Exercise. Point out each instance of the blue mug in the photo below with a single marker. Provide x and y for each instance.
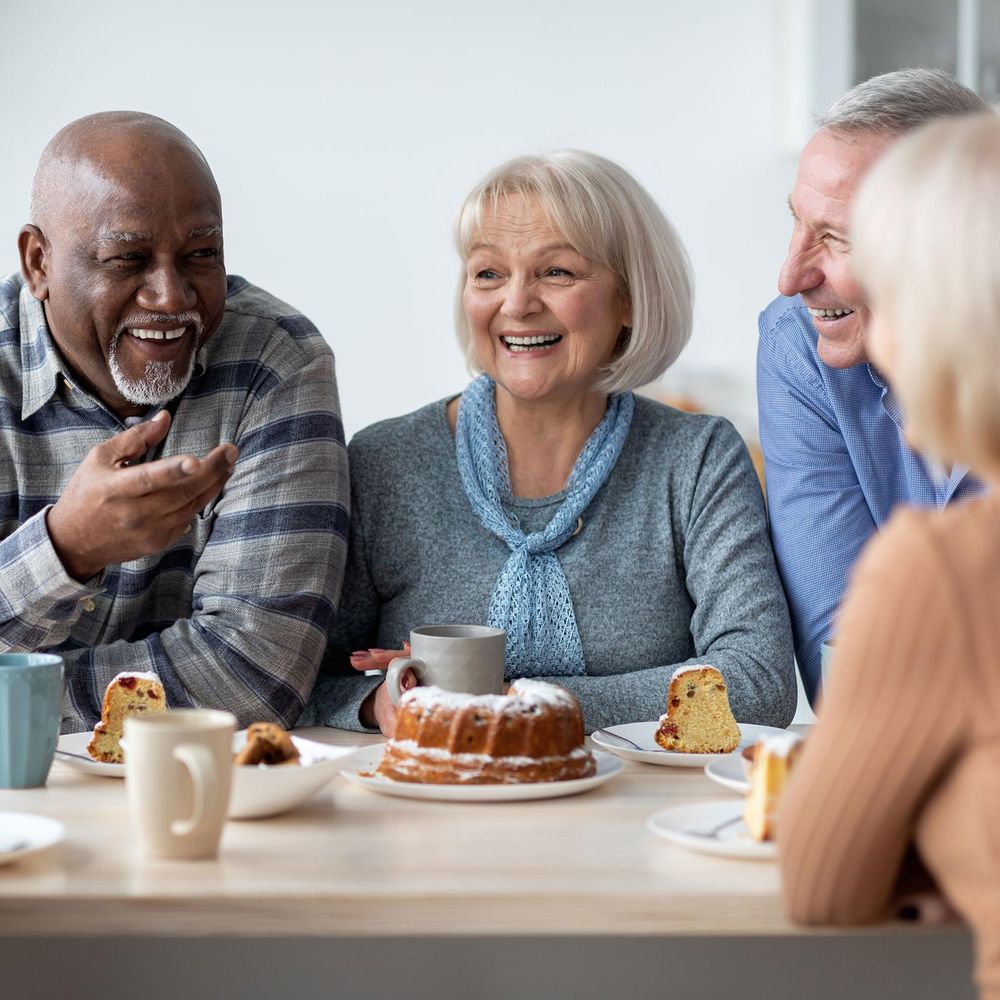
(30, 713)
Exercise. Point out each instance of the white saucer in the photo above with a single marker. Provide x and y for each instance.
(695, 826)
(367, 759)
(730, 772)
(643, 734)
(32, 833)
(76, 743)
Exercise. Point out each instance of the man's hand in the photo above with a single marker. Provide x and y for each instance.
(111, 511)
(377, 710)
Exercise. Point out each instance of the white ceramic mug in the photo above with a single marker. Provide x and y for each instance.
(178, 774)
(466, 658)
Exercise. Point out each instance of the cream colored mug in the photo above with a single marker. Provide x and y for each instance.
(466, 658)
(178, 775)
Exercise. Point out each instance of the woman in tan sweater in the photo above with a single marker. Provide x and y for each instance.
(907, 749)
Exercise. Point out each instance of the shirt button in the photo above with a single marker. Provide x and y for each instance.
(88, 604)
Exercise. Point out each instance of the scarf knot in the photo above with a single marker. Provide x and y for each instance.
(531, 601)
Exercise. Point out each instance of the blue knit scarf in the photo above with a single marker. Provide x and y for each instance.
(531, 601)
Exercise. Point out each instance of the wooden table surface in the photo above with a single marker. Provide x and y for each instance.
(351, 862)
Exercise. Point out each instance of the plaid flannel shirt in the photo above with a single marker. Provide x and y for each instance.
(235, 613)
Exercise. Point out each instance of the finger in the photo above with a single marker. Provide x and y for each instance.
(134, 442)
(381, 658)
(408, 680)
(361, 661)
(183, 475)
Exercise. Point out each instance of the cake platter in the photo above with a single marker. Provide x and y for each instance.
(72, 751)
(643, 735)
(23, 834)
(359, 769)
(714, 827)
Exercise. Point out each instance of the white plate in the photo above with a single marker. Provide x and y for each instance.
(368, 759)
(643, 733)
(695, 826)
(730, 772)
(33, 833)
(257, 791)
(77, 743)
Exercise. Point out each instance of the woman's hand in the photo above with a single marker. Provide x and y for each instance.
(377, 710)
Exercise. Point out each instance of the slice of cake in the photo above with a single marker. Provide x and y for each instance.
(269, 745)
(698, 717)
(773, 759)
(127, 694)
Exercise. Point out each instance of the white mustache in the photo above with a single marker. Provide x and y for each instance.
(172, 320)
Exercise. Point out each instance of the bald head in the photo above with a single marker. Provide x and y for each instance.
(106, 148)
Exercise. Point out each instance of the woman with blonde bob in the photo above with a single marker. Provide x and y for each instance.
(906, 751)
(611, 537)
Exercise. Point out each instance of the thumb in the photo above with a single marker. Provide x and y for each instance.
(134, 442)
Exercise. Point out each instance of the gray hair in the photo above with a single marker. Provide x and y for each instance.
(900, 101)
(606, 215)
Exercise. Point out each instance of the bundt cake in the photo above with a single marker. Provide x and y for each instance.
(532, 733)
(774, 757)
(698, 717)
(267, 744)
(127, 694)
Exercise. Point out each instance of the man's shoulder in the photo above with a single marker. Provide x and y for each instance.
(258, 324)
(786, 324)
(10, 299)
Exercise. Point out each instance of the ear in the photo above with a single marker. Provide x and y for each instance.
(34, 250)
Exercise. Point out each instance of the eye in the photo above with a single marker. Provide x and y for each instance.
(125, 261)
(560, 275)
(206, 253)
(487, 274)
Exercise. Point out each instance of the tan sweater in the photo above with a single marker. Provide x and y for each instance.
(907, 748)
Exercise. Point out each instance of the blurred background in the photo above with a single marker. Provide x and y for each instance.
(344, 135)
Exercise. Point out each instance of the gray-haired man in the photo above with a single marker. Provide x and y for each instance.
(835, 456)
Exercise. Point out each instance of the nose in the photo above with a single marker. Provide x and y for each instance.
(800, 272)
(519, 299)
(166, 290)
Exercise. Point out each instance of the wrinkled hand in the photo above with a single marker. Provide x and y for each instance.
(111, 512)
(377, 710)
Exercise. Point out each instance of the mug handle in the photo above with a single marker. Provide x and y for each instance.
(207, 786)
(394, 675)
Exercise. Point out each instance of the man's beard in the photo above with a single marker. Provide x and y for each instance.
(159, 383)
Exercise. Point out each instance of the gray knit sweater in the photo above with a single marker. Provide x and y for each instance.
(673, 566)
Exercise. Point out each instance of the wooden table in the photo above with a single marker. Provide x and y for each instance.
(368, 879)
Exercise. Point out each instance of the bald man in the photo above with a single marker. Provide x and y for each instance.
(176, 492)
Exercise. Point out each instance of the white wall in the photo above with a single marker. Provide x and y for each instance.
(345, 134)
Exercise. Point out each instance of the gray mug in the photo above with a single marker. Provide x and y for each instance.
(465, 658)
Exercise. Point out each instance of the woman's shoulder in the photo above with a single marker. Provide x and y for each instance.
(681, 434)
(402, 434)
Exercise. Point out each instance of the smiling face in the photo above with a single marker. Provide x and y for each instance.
(130, 267)
(544, 319)
(818, 265)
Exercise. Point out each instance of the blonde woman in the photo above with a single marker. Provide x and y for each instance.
(907, 749)
(613, 538)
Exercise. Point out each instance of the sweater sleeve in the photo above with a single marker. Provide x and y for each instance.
(740, 622)
(847, 817)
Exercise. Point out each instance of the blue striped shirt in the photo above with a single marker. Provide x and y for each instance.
(235, 613)
(836, 464)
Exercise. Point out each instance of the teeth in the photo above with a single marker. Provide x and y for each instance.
(830, 313)
(157, 334)
(526, 343)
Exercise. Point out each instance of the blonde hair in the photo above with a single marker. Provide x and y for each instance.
(924, 246)
(609, 218)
